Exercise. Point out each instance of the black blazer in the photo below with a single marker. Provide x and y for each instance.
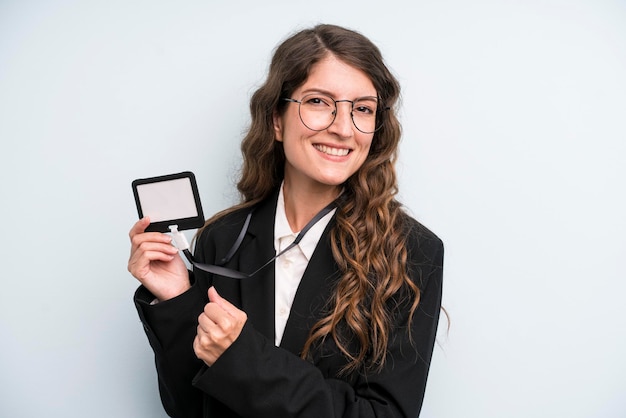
(253, 378)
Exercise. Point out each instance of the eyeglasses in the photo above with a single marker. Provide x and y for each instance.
(318, 111)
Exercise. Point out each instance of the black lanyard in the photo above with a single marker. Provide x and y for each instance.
(234, 274)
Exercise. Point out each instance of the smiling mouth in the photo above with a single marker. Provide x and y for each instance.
(337, 152)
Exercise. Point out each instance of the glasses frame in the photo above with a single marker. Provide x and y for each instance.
(379, 111)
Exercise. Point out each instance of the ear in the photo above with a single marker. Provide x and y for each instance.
(278, 126)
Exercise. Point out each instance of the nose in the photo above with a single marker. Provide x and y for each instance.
(343, 125)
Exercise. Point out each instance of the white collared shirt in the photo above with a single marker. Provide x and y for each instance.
(290, 266)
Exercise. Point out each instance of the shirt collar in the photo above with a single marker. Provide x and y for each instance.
(282, 228)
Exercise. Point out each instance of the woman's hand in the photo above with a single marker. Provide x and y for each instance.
(156, 263)
(219, 325)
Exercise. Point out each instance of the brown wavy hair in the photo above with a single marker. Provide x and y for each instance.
(368, 238)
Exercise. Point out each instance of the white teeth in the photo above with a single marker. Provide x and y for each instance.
(340, 152)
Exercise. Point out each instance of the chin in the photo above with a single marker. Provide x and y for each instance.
(333, 182)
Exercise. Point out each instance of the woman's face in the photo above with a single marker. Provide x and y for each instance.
(328, 157)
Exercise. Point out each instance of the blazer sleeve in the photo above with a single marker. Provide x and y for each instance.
(256, 379)
(171, 327)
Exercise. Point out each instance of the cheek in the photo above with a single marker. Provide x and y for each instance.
(292, 149)
(365, 144)
(365, 148)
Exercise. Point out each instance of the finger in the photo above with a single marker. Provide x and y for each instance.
(222, 303)
(152, 246)
(146, 237)
(205, 324)
(149, 252)
(216, 320)
(157, 256)
(197, 347)
(216, 333)
(202, 352)
(139, 226)
(140, 267)
(142, 257)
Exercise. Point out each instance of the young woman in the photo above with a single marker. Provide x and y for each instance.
(343, 323)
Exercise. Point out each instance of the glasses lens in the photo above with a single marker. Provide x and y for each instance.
(317, 111)
(364, 114)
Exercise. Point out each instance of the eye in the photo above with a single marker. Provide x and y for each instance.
(365, 106)
(317, 100)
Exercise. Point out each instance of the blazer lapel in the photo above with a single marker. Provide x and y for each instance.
(312, 295)
(257, 292)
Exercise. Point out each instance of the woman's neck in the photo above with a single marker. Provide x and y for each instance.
(302, 204)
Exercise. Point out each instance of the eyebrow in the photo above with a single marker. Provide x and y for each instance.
(328, 93)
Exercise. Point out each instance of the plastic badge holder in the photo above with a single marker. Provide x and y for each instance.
(170, 200)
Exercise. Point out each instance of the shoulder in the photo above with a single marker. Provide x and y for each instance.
(424, 253)
(420, 239)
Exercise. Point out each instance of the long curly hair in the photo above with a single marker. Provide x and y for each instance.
(368, 241)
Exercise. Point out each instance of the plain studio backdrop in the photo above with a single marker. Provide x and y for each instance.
(513, 151)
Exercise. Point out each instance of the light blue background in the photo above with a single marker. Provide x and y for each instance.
(514, 117)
